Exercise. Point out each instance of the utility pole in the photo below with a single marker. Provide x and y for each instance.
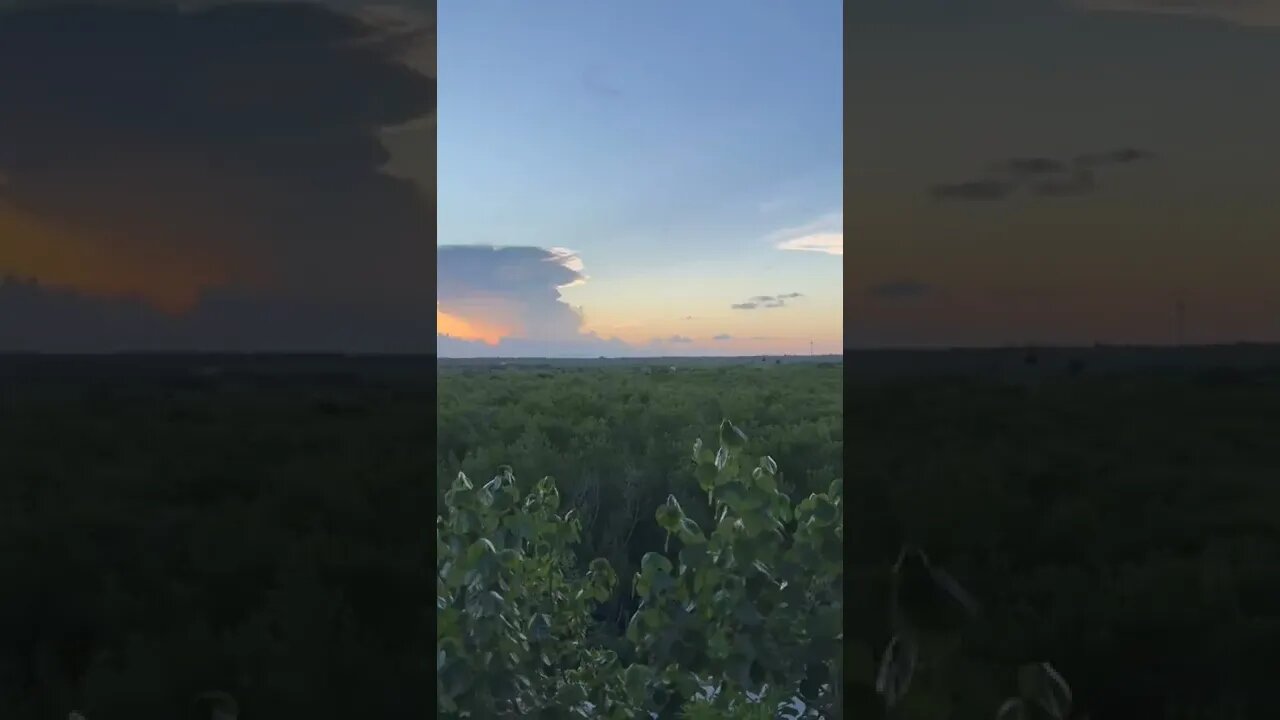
(810, 348)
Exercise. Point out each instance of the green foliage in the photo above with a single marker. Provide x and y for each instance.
(617, 440)
(258, 532)
(734, 620)
(1122, 526)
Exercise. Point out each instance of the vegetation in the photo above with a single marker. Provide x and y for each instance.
(172, 526)
(1122, 527)
(750, 609)
(725, 585)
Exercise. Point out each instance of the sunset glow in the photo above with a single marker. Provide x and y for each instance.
(461, 329)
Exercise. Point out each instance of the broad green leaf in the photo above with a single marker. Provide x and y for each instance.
(636, 680)
(731, 436)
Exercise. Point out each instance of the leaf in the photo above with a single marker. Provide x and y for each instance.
(952, 587)
(668, 517)
(731, 436)
(897, 666)
(768, 465)
(509, 558)
(653, 562)
(636, 680)
(690, 533)
(1012, 709)
(1041, 684)
(824, 511)
(706, 475)
(539, 627)
(722, 457)
(571, 695)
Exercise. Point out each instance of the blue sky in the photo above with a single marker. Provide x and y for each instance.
(671, 147)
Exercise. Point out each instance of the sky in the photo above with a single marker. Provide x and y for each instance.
(640, 178)
(217, 177)
(1062, 172)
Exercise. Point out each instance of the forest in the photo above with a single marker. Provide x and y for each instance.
(680, 550)
(617, 440)
(257, 527)
(1120, 525)
(177, 525)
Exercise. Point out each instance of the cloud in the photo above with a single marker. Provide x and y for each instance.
(900, 290)
(1123, 156)
(1030, 166)
(514, 289)
(722, 337)
(824, 235)
(1039, 176)
(766, 301)
(1078, 182)
(679, 339)
(510, 299)
(154, 147)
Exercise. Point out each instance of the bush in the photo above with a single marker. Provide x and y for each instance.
(738, 620)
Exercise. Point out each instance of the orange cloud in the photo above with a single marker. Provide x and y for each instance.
(58, 256)
(462, 329)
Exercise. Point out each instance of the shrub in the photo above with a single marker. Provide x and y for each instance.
(739, 620)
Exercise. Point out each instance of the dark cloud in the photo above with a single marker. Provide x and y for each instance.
(722, 336)
(1123, 156)
(1030, 166)
(1039, 176)
(900, 290)
(766, 301)
(240, 141)
(1078, 182)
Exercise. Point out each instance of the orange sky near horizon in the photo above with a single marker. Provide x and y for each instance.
(462, 329)
(62, 257)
